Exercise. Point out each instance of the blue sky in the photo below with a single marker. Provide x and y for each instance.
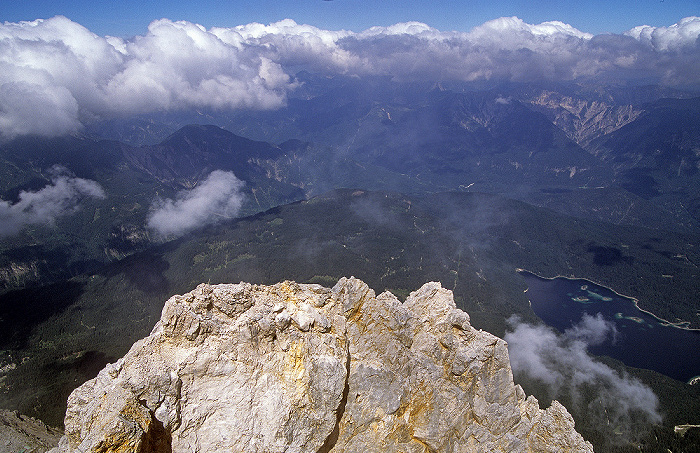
(131, 17)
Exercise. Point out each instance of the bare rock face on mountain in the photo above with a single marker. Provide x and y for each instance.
(19, 433)
(303, 368)
(584, 120)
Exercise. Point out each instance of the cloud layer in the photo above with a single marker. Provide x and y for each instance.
(56, 75)
(562, 363)
(61, 197)
(217, 198)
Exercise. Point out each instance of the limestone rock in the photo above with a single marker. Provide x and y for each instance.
(19, 433)
(302, 368)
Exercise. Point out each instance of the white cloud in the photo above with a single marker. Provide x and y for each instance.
(30, 108)
(592, 331)
(217, 198)
(61, 197)
(404, 28)
(293, 45)
(564, 365)
(517, 32)
(683, 34)
(182, 65)
(69, 75)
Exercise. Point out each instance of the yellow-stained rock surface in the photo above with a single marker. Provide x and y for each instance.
(303, 368)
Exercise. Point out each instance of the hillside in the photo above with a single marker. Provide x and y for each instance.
(656, 156)
(571, 148)
(86, 232)
(394, 182)
(61, 335)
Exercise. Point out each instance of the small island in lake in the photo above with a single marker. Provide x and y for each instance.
(670, 349)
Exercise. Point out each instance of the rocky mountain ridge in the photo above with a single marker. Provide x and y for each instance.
(300, 367)
(584, 120)
(19, 433)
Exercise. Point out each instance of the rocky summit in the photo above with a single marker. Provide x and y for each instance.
(302, 368)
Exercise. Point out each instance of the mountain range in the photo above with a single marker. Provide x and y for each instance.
(393, 182)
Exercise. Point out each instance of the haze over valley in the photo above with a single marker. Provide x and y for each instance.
(135, 168)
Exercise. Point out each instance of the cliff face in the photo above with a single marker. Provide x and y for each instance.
(19, 433)
(303, 368)
(584, 120)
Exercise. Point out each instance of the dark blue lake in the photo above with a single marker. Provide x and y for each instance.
(643, 341)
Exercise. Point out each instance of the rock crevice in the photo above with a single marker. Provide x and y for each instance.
(333, 437)
(302, 368)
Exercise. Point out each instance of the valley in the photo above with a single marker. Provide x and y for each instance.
(394, 183)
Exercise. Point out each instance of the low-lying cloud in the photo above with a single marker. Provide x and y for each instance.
(56, 75)
(562, 363)
(62, 197)
(217, 198)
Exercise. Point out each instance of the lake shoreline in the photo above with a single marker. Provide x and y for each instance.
(635, 301)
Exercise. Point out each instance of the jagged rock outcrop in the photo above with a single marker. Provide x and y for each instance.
(583, 120)
(19, 433)
(303, 368)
